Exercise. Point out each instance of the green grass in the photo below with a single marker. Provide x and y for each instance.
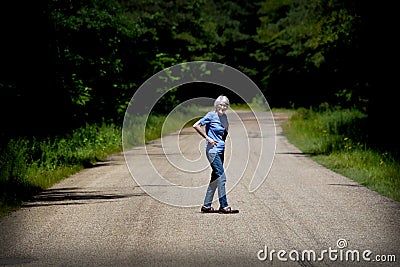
(29, 165)
(334, 138)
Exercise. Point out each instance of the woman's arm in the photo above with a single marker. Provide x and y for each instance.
(197, 127)
(225, 132)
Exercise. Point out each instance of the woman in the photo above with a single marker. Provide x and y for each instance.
(216, 124)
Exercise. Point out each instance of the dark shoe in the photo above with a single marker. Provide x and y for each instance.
(205, 209)
(227, 210)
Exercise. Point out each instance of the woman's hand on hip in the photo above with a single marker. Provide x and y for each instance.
(212, 141)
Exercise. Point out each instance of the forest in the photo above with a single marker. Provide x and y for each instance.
(69, 63)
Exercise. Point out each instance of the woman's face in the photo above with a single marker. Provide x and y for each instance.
(221, 108)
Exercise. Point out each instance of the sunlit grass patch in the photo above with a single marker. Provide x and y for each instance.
(335, 139)
(28, 165)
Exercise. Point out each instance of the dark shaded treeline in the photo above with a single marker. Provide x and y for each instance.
(67, 63)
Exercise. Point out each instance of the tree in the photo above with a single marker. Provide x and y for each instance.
(306, 49)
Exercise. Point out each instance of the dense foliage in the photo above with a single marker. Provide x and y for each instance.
(71, 62)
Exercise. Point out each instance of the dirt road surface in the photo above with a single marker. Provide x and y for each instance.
(301, 215)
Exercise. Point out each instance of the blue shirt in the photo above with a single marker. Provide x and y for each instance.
(215, 128)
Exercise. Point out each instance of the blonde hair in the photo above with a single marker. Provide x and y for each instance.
(220, 99)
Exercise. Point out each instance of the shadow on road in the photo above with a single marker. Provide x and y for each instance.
(76, 196)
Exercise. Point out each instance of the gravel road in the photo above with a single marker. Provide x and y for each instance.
(102, 217)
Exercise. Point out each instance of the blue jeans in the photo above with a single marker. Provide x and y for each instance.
(218, 180)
